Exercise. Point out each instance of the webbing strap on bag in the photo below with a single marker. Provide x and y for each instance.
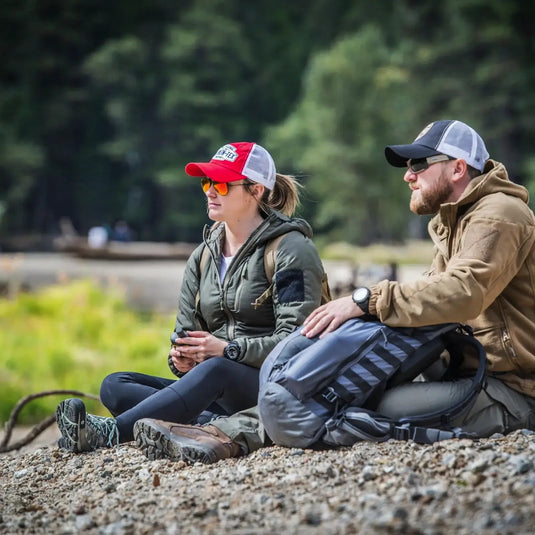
(357, 424)
(443, 417)
(353, 423)
(369, 372)
(428, 435)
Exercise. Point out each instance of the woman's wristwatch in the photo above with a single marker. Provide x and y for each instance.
(232, 351)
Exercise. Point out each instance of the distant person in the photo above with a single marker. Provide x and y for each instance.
(232, 315)
(483, 274)
(97, 237)
(121, 231)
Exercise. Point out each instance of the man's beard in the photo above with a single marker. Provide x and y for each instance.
(435, 195)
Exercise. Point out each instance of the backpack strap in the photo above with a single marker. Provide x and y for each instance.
(428, 435)
(443, 417)
(270, 254)
(424, 357)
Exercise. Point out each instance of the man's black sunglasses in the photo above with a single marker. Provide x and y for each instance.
(417, 165)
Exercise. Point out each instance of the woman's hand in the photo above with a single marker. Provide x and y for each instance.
(330, 316)
(201, 345)
(182, 364)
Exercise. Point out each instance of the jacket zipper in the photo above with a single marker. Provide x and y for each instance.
(224, 290)
(507, 343)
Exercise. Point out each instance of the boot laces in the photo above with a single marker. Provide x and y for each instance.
(104, 431)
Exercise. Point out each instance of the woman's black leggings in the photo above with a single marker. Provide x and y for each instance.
(217, 384)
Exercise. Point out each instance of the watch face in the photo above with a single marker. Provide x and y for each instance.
(232, 351)
(360, 294)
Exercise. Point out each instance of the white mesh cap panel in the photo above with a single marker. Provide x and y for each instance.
(260, 167)
(461, 141)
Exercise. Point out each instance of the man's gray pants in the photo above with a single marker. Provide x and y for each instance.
(496, 409)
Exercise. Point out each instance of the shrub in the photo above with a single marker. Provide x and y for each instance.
(70, 336)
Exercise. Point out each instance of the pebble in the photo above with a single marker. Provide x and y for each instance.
(465, 487)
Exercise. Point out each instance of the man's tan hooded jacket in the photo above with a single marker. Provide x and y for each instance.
(483, 274)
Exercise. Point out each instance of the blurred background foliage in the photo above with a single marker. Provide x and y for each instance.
(103, 103)
(72, 335)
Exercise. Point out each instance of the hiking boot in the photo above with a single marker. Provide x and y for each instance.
(189, 443)
(84, 432)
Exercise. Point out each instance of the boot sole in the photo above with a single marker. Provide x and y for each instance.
(155, 442)
(74, 409)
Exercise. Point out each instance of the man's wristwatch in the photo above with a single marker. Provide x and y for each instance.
(361, 297)
(232, 351)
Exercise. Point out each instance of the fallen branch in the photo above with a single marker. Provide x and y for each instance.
(38, 428)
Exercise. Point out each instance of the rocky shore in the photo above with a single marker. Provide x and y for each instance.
(459, 486)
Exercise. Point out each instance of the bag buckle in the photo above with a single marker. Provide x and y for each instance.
(401, 432)
(330, 395)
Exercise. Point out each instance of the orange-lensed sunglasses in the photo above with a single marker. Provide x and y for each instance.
(220, 187)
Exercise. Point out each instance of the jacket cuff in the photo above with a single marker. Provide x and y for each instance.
(243, 348)
(375, 292)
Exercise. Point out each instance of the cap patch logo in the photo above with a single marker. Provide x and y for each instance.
(228, 153)
(424, 131)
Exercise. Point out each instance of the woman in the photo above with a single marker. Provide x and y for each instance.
(230, 314)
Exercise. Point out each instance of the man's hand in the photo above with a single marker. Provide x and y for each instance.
(330, 316)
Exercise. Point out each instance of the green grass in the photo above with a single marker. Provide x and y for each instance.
(70, 336)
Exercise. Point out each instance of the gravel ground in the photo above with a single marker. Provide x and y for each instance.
(459, 486)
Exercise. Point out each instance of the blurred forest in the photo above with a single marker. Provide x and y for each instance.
(103, 103)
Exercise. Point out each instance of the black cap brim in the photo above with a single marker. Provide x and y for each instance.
(397, 155)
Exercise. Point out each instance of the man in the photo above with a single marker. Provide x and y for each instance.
(483, 274)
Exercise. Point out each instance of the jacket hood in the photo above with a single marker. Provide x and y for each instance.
(273, 225)
(495, 178)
